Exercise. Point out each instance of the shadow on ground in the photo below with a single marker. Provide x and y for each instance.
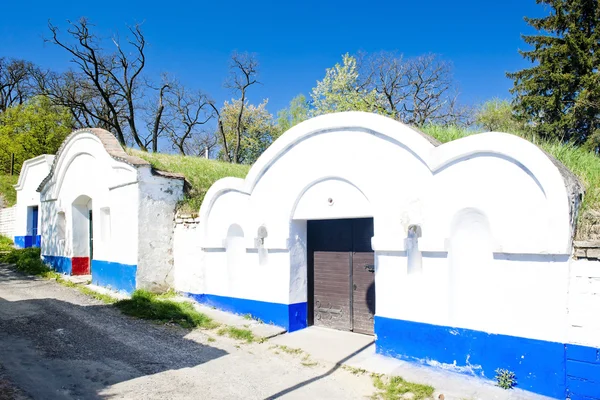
(56, 349)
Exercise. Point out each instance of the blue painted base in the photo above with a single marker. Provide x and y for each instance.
(539, 366)
(292, 317)
(59, 263)
(583, 372)
(24, 242)
(116, 276)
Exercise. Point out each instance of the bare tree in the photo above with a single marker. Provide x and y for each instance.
(16, 82)
(243, 74)
(416, 91)
(74, 91)
(202, 143)
(188, 113)
(429, 80)
(386, 72)
(155, 113)
(110, 79)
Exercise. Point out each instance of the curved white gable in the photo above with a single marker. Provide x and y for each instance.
(92, 176)
(33, 171)
(407, 181)
(41, 165)
(99, 170)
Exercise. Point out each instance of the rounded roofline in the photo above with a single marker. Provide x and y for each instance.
(112, 147)
(543, 169)
(44, 158)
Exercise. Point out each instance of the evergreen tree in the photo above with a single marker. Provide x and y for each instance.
(559, 97)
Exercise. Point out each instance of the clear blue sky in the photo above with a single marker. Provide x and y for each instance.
(295, 41)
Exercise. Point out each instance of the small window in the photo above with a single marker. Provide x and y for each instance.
(105, 224)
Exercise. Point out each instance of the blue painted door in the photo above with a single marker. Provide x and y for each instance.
(34, 223)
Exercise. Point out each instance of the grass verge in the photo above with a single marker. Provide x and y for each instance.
(26, 261)
(143, 304)
(237, 333)
(150, 306)
(199, 172)
(395, 387)
(105, 298)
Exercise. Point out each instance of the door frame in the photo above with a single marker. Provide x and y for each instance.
(310, 273)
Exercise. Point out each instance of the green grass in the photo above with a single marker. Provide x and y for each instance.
(85, 290)
(445, 133)
(353, 370)
(106, 299)
(397, 388)
(26, 261)
(288, 350)
(199, 172)
(6, 243)
(237, 333)
(146, 305)
(584, 164)
(7, 191)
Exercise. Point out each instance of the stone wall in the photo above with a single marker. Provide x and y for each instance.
(587, 250)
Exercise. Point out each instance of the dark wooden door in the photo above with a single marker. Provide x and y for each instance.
(363, 277)
(331, 244)
(341, 285)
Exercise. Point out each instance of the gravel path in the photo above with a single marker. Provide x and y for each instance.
(56, 343)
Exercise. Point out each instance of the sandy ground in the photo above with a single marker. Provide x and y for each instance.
(56, 343)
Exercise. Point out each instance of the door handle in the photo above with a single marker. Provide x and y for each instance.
(370, 267)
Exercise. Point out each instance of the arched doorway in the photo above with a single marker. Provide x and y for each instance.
(82, 236)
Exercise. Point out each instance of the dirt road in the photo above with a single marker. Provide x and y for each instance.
(56, 343)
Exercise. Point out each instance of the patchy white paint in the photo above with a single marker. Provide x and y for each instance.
(186, 255)
(33, 171)
(133, 209)
(491, 210)
(584, 303)
(158, 197)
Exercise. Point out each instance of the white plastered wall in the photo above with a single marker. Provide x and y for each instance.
(33, 171)
(86, 169)
(494, 190)
(584, 303)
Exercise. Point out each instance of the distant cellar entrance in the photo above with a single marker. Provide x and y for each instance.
(82, 236)
(341, 274)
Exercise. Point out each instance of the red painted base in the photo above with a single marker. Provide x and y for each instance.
(80, 266)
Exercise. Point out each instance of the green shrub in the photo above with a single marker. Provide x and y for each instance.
(146, 305)
(6, 243)
(27, 261)
(505, 378)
